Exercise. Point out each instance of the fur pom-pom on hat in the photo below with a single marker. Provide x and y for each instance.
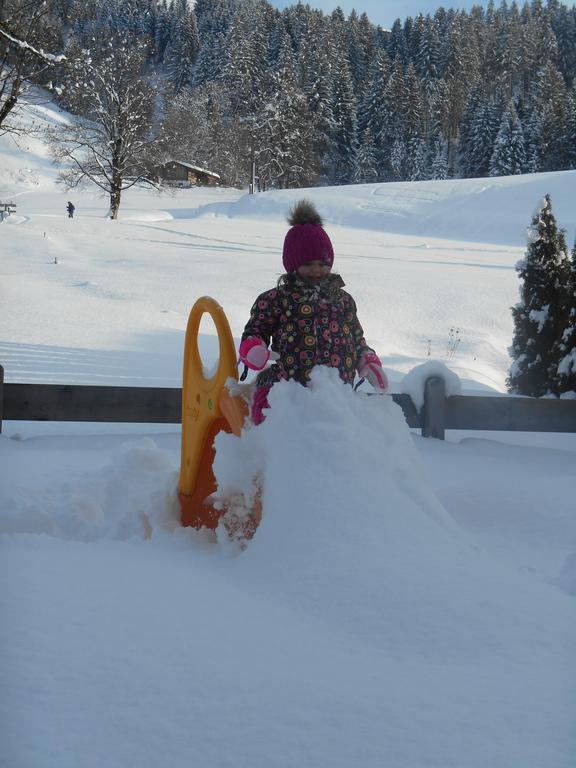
(306, 239)
(304, 212)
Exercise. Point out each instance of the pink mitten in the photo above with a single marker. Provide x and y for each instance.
(370, 367)
(254, 353)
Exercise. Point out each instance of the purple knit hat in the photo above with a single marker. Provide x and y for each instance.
(306, 240)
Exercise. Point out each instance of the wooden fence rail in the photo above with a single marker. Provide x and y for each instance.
(61, 402)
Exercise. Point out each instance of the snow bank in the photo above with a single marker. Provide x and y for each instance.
(490, 210)
(351, 523)
(133, 495)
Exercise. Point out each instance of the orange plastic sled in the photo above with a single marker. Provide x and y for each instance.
(208, 408)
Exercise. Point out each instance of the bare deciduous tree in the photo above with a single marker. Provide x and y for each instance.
(112, 145)
(25, 27)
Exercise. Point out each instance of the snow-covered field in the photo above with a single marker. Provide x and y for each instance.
(405, 602)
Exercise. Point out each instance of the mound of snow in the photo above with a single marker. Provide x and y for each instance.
(414, 383)
(133, 495)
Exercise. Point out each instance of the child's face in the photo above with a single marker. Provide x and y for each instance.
(313, 270)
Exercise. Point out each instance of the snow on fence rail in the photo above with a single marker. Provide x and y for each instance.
(161, 405)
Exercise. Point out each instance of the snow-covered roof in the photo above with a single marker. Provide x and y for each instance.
(194, 168)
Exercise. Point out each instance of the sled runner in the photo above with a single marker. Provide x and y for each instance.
(207, 409)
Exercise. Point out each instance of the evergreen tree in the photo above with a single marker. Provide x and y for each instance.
(509, 155)
(366, 161)
(569, 139)
(466, 135)
(373, 114)
(398, 159)
(541, 316)
(161, 32)
(534, 140)
(548, 96)
(214, 20)
(397, 44)
(428, 54)
(182, 47)
(285, 132)
(246, 60)
(416, 169)
(485, 128)
(344, 130)
(414, 118)
(567, 346)
(564, 26)
(439, 161)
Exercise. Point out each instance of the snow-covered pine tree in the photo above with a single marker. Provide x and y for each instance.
(214, 18)
(509, 154)
(485, 127)
(569, 143)
(466, 128)
(344, 132)
(534, 140)
(428, 54)
(366, 160)
(548, 96)
(564, 26)
(182, 47)
(415, 105)
(416, 159)
(567, 345)
(541, 315)
(373, 111)
(392, 139)
(398, 159)
(284, 130)
(439, 159)
(397, 44)
(161, 31)
(357, 51)
(246, 60)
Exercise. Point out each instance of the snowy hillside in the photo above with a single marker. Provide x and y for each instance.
(404, 603)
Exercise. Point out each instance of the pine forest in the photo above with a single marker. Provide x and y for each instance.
(298, 98)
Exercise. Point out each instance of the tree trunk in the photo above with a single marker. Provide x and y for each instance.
(115, 193)
(11, 101)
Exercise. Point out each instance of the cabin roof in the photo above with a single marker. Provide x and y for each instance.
(194, 168)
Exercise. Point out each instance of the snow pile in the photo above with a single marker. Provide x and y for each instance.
(352, 531)
(414, 383)
(132, 495)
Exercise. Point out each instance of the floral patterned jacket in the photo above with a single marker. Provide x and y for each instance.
(307, 325)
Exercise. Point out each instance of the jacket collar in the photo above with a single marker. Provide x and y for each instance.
(327, 286)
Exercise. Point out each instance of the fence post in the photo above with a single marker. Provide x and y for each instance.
(1, 395)
(433, 412)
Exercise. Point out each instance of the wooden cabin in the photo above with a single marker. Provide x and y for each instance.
(185, 174)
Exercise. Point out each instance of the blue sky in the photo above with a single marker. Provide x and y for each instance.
(384, 12)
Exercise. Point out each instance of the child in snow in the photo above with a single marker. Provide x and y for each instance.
(308, 319)
(70, 208)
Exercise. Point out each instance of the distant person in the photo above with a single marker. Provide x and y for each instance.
(308, 319)
(70, 208)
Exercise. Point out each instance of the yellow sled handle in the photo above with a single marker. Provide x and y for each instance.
(207, 408)
(201, 395)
